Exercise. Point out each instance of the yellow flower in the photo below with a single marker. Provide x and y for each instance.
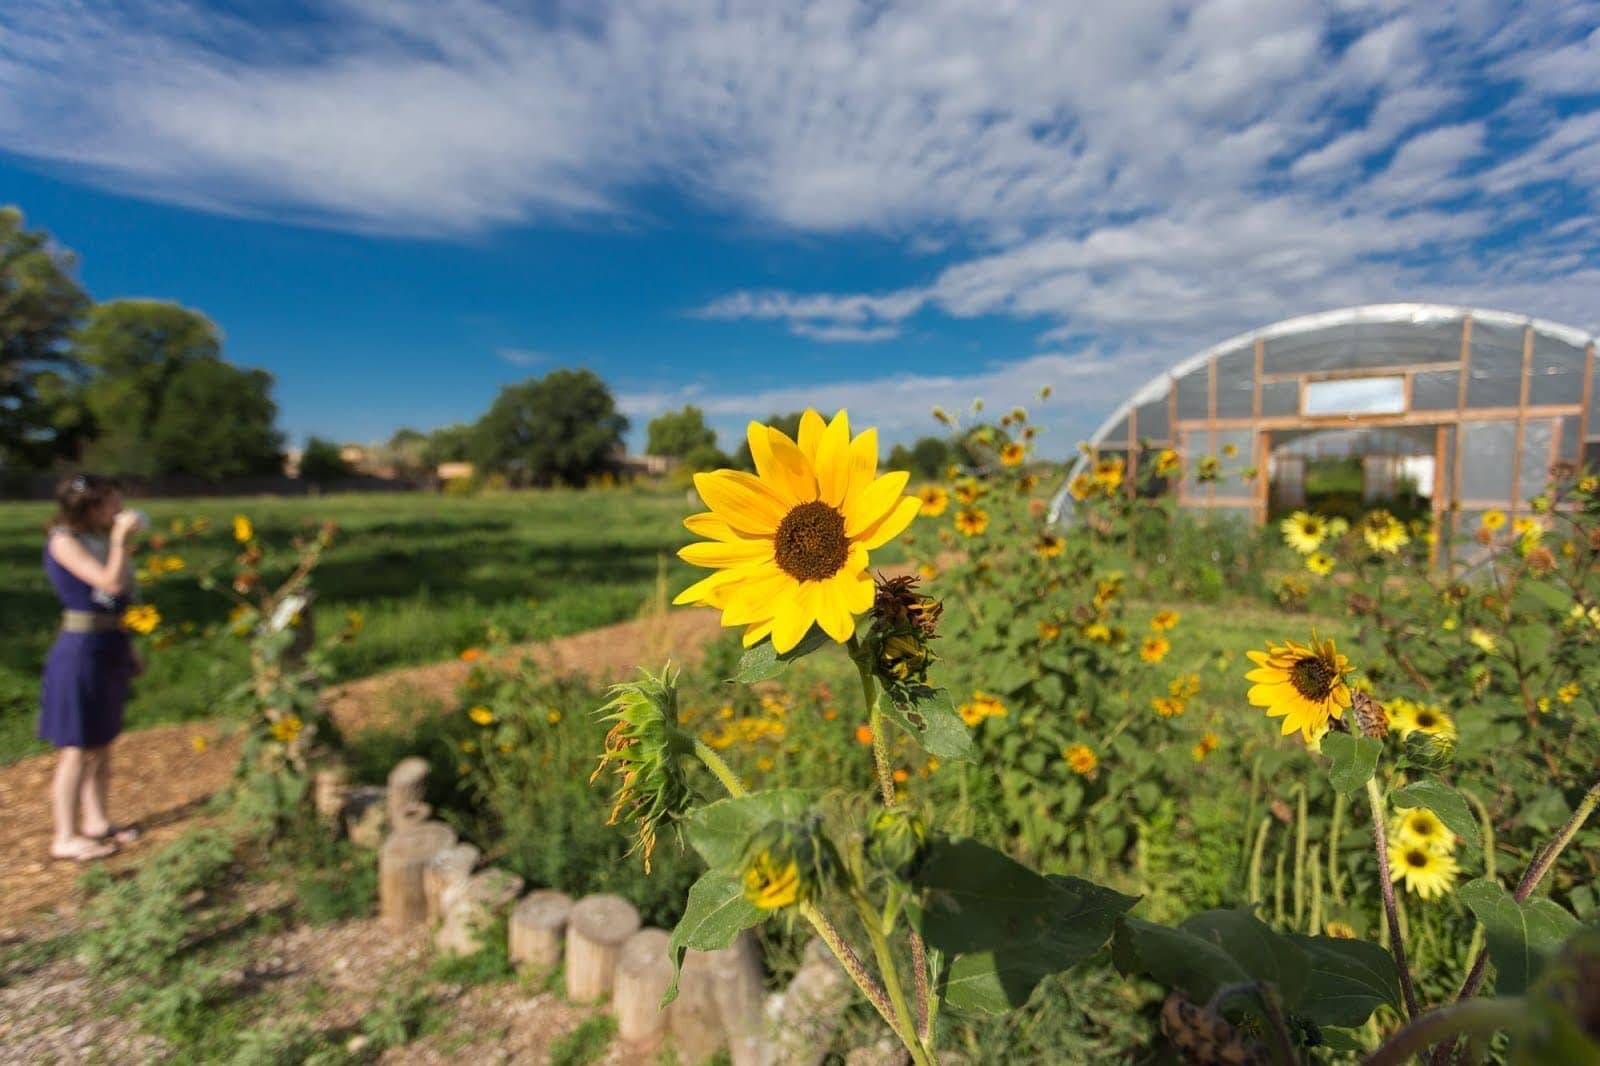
(1081, 487)
(287, 729)
(1166, 463)
(1108, 474)
(199, 744)
(1421, 827)
(1492, 520)
(934, 501)
(1383, 532)
(1568, 692)
(1320, 563)
(1341, 930)
(1049, 631)
(471, 655)
(927, 571)
(765, 765)
(967, 491)
(1426, 873)
(770, 884)
(1408, 716)
(1154, 649)
(469, 746)
(982, 706)
(1303, 532)
(1525, 525)
(1098, 632)
(789, 543)
(142, 618)
(1588, 483)
(1206, 745)
(243, 530)
(972, 521)
(553, 716)
(1169, 706)
(1049, 546)
(1304, 684)
(864, 733)
(1080, 758)
(1482, 640)
(481, 715)
(1165, 620)
(1543, 704)
(1013, 454)
(1184, 687)
(1230, 450)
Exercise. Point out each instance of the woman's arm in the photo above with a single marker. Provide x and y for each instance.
(111, 576)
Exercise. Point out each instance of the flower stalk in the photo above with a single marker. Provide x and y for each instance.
(1390, 912)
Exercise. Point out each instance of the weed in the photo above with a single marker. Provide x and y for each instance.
(586, 1043)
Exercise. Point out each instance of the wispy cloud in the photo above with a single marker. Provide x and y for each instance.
(523, 357)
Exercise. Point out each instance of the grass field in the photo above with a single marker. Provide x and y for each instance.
(430, 575)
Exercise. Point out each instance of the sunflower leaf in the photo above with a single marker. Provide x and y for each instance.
(930, 716)
(1443, 801)
(1349, 980)
(1352, 760)
(763, 662)
(716, 913)
(719, 831)
(1520, 936)
(1211, 951)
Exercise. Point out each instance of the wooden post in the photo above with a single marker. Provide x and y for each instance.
(407, 782)
(741, 1000)
(643, 972)
(885, 1051)
(366, 817)
(812, 1009)
(696, 1030)
(401, 904)
(595, 931)
(471, 909)
(330, 788)
(445, 873)
(1463, 381)
(1522, 419)
(538, 927)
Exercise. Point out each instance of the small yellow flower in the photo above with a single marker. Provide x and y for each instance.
(469, 746)
(1383, 532)
(141, 618)
(1408, 716)
(1184, 686)
(1588, 483)
(769, 884)
(1165, 620)
(967, 491)
(1098, 632)
(1206, 745)
(980, 707)
(765, 765)
(1049, 546)
(1154, 649)
(199, 744)
(1013, 454)
(1319, 563)
(1484, 641)
(1166, 463)
(927, 571)
(1168, 706)
(286, 730)
(1569, 692)
(481, 715)
(1426, 873)
(243, 530)
(1080, 759)
(1420, 826)
(1108, 474)
(864, 734)
(1081, 487)
(934, 501)
(972, 521)
(1493, 520)
(1230, 450)
(553, 716)
(1049, 631)
(1524, 526)
(1341, 930)
(1543, 704)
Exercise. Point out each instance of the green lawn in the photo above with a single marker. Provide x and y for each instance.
(429, 573)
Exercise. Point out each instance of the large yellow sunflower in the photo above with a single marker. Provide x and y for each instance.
(789, 544)
(1301, 683)
(1426, 872)
(1421, 826)
(1304, 532)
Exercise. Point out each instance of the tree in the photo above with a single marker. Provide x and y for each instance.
(679, 433)
(789, 423)
(406, 451)
(448, 444)
(927, 459)
(562, 428)
(40, 303)
(322, 460)
(164, 401)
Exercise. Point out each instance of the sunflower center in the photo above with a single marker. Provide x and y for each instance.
(1312, 678)
(1426, 720)
(810, 544)
(1417, 859)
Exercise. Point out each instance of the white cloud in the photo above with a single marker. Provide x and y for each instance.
(523, 357)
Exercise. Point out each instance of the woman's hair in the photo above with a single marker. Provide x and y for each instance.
(78, 498)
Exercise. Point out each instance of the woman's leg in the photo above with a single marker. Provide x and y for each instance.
(66, 790)
(92, 800)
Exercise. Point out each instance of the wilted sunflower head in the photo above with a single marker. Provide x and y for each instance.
(1304, 684)
(896, 604)
(644, 748)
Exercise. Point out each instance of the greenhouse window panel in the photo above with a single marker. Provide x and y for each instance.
(1354, 396)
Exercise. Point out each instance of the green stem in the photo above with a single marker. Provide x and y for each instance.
(850, 961)
(1300, 858)
(904, 1026)
(1386, 886)
(1443, 1025)
(714, 763)
(1335, 882)
(1256, 857)
(880, 744)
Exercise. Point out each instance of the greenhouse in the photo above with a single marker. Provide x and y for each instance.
(1458, 410)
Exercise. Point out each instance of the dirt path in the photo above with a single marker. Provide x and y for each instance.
(165, 774)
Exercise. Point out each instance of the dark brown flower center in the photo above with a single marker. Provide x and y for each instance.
(1426, 720)
(1312, 678)
(810, 544)
(1417, 858)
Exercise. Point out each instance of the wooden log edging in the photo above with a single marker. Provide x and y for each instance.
(428, 882)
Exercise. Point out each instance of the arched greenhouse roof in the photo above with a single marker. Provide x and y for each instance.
(1514, 392)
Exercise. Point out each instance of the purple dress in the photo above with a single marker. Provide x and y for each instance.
(86, 675)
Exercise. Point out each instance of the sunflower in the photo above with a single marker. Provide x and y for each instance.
(789, 543)
(1320, 563)
(243, 531)
(1204, 746)
(981, 707)
(481, 715)
(1412, 717)
(1383, 532)
(1108, 474)
(1049, 630)
(967, 491)
(1169, 706)
(1081, 487)
(1301, 683)
(1013, 454)
(1154, 649)
(1569, 692)
(1049, 546)
(1304, 532)
(1166, 463)
(1341, 930)
(934, 501)
(972, 521)
(142, 618)
(1420, 826)
(1080, 758)
(1426, 873)
(287, 729)
(1164, 620)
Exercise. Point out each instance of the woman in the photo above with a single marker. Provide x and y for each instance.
(88, 559)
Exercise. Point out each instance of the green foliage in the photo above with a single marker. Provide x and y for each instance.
(322, 460)
(586, 1043)
(561, 429)
(1352, 760)
(680, 434)
(1521, 936)
(489, 964)
(333, 880)
(927, 459)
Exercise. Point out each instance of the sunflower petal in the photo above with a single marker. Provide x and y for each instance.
(873, 504)
(757, 596)
(791, 465)
(833, 615)
(811, 427)
(793, 617)
(708, 590)
(722, 554)
(833, 461)
(892, 524)
(708, 525)
(755, 633)
(742, 500)
(863, 462)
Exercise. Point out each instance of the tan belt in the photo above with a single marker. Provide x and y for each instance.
(89, 622)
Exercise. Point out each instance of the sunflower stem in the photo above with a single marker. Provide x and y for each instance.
(1386, 886)
(880, 745)
(904, 1026)
(714, 763)
(850, 961)
(1444, 1026)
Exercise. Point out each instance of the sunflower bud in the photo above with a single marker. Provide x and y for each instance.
(904, 621)
(1429, 751)
(643, 748)
(1205, 1036)
(787, 863)
(897, 842)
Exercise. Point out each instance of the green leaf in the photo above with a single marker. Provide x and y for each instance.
(1353, 760)
(1444, 801)
(719, 831)
(763, 662)
(1211, 950)
(1521, 936)
(716, 913)
(1003, 926)
(1349, 980)
(929, 715)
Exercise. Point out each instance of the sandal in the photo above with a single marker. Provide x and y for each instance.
(88, 851)
(116, 834)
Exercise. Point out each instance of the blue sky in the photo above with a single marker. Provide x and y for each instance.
(398, 206)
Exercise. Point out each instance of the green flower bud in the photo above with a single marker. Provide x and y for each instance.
(644, 748)
(787, 863)
(897, 842)
(1429, 751)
